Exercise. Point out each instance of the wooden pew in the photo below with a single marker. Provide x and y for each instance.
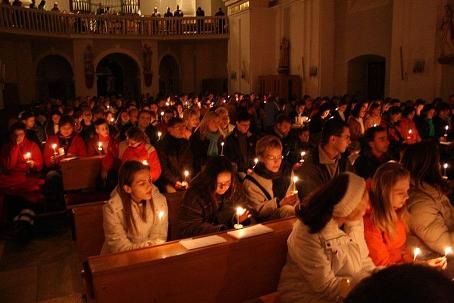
(233, 271)
(88, 224)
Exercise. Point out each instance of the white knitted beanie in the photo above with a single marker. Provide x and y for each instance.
(353, 195)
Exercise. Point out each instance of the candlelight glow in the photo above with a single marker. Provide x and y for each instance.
(303, 153)
(448, 250)
(162, 113)
(27, 156)
(256, 160)
(222, 143)
(445, 166)
(416, 253)
(186, 173)
(295, 179)
(446, 127)
(99, 145)
(410, 131)
(161, 215)
(54, 146)
(145, 162)
(240, 211)
(159, 135)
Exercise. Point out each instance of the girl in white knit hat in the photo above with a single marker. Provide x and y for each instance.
(326, 249)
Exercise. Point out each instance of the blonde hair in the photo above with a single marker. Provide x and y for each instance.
(203, 126)
(384, 215)
(267, 142)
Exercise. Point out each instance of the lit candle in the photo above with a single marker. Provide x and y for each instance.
(54, 147)
(448, 251)
(239, 212)
(145, 162)
(167, 103)
(445, 167)
(295, 179)
(159, 135)
(222, 148)
(162, 115)
(375, 125)
(416, 253)
(161, 215)
(186, 175)
(100, 146)
(27, 156)
(112, 120)
(446, 131)
(303, 154)
(256, 160)
(108, 106)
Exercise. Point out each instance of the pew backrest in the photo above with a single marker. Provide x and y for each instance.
(80, 173)
(233, 271)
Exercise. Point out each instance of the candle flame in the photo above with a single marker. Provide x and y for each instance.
(295, 179)
(162, 113)
(448, 250)
(303, 153)
(145, 162)
(240, 211)
(416, 252)
(54, 146)
(186, 173)
(161, 214)
(446, 127)
(222, 143)
(28, 155)
(159, 134)
(256, 160)
(410, 131)
(445, 165)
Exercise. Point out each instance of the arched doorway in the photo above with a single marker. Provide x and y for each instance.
(366, 76)
(169, 76)
(54, 77)
(118, 74)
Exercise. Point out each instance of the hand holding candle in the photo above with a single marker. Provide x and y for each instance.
(159, 135)
(416, 253)
(54, 147)
(256, 160)
(295, 179)
(303, 154)
(185, 182)
(240, 211)
(100, 146)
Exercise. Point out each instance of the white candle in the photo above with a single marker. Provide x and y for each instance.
(416, 253)
(27, 156)
(446, 130)
(100, 146)
(186, 175)
(448, 251)
(54, 147)
(159, 135)
(239, 212)
(303, 154)
(222, 148)
(445, 167)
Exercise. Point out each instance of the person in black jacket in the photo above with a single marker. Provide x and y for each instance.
(176, 157)
(240, 144)
(374, 152)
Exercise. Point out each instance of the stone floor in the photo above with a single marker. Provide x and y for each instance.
(45, 269)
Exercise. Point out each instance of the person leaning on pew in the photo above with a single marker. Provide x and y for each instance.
(136, 214)
(326, 248)
(209, 204)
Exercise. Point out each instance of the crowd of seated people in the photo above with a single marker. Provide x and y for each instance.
(368, 180)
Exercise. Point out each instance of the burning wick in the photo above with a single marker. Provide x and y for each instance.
(100, 146)
(161, 215)
(445, 167)
(54, 147)
(448, 251)
(303, 154)
(112, 119)
(159, 135)
(295, 179)
(256, 160)
(239, 212)
(27, 156)
(416, 253)
(222, 148)
(446, 130)
(186, 175)
(145, 162)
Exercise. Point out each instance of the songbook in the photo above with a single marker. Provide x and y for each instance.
(250, 231)
(202, 242)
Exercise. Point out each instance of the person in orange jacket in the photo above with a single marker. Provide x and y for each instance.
(385, 226)
(137, 148)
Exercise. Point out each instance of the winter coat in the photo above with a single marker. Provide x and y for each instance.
(144, 152)
(76, 148)
(234, 154)
(316, 263)
(151, 232)
(431, 219)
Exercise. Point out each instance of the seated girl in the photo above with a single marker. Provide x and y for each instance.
(209, 204)
(137, 148)
(136, 214)
(385, 226)
(270, 188)
(431, 213)
(326, 247)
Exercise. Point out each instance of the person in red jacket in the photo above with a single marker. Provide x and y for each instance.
(65, 143)
(385, 227)
(138, 149)
(102, 143)
(21, 161)
(407, 126)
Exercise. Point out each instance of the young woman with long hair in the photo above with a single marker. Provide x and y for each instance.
(210, 203)
(136, 214)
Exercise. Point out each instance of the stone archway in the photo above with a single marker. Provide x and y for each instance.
(366, 76)
(54, 76)
(118, 74)
(169, 76)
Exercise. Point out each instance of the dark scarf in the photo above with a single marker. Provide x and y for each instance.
(281, 179)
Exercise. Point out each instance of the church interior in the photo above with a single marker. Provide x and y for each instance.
(254, 151)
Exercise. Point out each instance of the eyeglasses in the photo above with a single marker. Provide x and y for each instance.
(274, 158)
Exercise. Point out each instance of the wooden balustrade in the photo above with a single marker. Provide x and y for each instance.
(39, 22)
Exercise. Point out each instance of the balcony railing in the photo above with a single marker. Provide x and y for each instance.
(39, 22)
